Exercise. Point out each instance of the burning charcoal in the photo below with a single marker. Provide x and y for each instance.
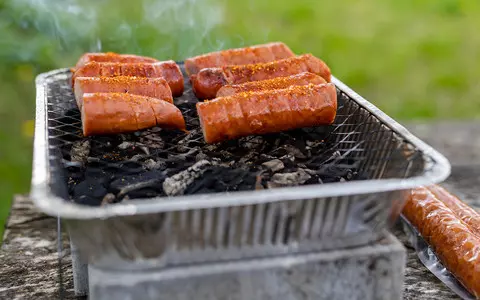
(108, 199)
(138, 157)
(288, 150)
(153, 141)
(80, 151)
(289, 179)
(274, 165)
(211, 147)
(182, 145)
(294, 151)
(127, 184)
(248, 157)
(89, 192)
(126, 145)
(220, 179)
(225, 154)
(184, 156)
(288, 157)
(201, 156)
(93, 159)
(312, 144)
(309, 172)
(151, 164)
(156, 161)
(251, 142)
(266, 157)
(177, 184)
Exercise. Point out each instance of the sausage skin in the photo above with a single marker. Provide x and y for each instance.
(468, 215)
(208, 81)
(151, 87)
(238, 56)
(169, 70)
(111, 113)
(112, 57)
(453, 242)
(270, 84)
(270, 111)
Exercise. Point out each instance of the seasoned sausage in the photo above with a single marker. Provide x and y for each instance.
(110, 113)
(208, 81)
(468, 215)
(239, 56)
(270, 84)
(267, 111)
(151, 87)
(113, 57)
(453, 242)
(169, 70)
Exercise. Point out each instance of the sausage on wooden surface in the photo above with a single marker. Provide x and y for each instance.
(208, 81)
(168, 70)
(468, 215)
(270, 84)
(111, 113)
(454, 243)
(143, 86)
(267, 111)
(112, 57)
(238, 56)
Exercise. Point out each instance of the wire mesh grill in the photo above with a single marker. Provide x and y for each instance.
(356, 147)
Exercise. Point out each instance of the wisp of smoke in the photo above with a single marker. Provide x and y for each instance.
(165, 29)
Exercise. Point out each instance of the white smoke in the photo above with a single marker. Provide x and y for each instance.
(165, 29)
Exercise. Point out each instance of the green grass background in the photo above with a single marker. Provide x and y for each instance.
(413, 59)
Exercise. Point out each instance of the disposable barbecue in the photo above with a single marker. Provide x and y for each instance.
(159, 199)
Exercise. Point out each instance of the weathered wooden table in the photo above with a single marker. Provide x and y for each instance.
(29, 266)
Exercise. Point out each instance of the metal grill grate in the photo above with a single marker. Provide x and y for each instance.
(356, 147)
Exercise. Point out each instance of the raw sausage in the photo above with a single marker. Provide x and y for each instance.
(110, 113)
(453, 242)
(270, 84)
(208, 81)
(468, 215)
(239, 56)
(151, 87)
(169, 70)
(113, 57)
(267, 111)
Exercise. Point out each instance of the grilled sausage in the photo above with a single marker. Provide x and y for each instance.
(208, 81)
(464, 212)
(110, 113)
(151, 87)
(169, 70)
(270, 84)
(113, 57)
(267, 111)
(239, 56)
(453, 242)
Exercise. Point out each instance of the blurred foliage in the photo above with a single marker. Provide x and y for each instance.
(413, 59)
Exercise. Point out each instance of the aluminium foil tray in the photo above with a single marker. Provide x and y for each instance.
(160, 232)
